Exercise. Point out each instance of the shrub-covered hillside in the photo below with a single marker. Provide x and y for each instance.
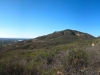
(54, 39)
(64, 53)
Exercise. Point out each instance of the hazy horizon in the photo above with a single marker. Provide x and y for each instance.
(33, 18)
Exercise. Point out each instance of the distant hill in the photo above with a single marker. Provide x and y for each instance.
(98, 37)
(59, 37)
(10, 41)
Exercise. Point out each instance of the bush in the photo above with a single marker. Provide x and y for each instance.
(49, 60)
(32, 71)
(17, 69)
(11, 69)
(77, 58)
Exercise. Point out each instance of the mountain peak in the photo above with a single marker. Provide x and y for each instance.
(65, 33)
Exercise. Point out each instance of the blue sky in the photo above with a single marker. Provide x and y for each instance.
(33, 18)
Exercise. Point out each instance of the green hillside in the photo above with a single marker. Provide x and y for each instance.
(68, 51)
(57, 38)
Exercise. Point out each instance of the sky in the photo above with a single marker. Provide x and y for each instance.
(33, 18)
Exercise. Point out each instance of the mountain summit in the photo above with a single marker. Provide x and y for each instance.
(66, 33)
